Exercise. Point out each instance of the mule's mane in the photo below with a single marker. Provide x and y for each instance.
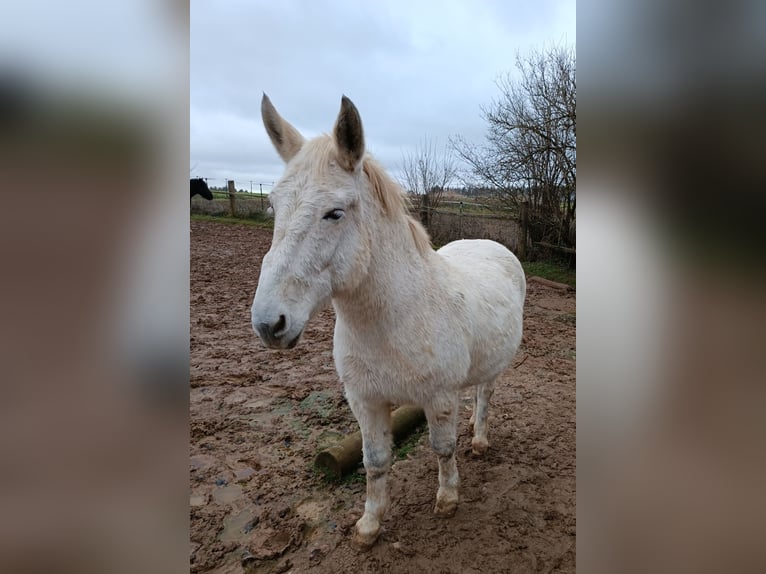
(384, 189)
(392, 199)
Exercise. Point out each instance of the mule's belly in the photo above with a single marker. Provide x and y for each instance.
(490, 356)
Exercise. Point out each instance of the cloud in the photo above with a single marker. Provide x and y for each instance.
(414, 70)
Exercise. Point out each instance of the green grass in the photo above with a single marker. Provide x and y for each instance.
(408, 444)
(263, 222)
(550, 271)
(353, 478)
(330, 478)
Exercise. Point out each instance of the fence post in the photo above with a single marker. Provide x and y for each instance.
(232, 205)
(523, 224)
(425, 211)
(260, 187)
(461, 220)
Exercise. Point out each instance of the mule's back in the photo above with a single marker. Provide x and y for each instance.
(493, 284)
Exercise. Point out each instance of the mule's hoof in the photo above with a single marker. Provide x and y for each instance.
(364, 541)
(479, 446)
(365, 534)
(446, 504)
(445, 509)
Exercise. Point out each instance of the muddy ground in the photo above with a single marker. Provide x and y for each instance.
(258, 418)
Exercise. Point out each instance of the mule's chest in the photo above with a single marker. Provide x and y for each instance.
(398, 369)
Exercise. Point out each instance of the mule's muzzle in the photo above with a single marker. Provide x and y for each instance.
(277, 335)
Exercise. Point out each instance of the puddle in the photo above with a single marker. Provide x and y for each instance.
(202, 462)
(235, 398)
(227, 494)
(235, 526)
(258, 404)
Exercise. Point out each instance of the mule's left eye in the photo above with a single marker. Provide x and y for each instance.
(334, 214)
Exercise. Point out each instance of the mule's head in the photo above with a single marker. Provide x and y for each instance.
(319, 246)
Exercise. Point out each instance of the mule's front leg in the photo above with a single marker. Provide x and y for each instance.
(375, 424)
(442, 428)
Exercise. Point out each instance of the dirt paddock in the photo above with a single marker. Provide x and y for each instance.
(258, 418)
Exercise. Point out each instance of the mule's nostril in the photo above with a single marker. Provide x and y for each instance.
(272, 332)
(263, 330)
(276, 330)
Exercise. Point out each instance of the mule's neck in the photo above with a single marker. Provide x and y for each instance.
(399, 278)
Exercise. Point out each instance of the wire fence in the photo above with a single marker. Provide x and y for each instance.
(250, 186)
(463, 220)
(445, 226)
(245, 205)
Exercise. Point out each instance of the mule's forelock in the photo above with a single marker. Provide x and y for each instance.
(286, 139)
(348, 135)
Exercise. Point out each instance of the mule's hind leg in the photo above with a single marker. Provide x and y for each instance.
(375, 424)
(442, 427)
(479, 444)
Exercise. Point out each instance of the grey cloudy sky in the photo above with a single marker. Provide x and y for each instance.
(414, 69)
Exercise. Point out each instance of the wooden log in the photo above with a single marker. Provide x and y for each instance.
(557, 247)
(347, 454)
(549, 283)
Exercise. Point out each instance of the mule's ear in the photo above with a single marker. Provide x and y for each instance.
(286, 139)
(349, 137)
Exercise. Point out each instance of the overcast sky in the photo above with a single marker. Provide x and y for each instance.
(413, 68)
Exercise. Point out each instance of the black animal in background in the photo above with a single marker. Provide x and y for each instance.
(199, 187)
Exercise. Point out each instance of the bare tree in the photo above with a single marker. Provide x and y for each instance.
(427, 172)
(530, 152)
